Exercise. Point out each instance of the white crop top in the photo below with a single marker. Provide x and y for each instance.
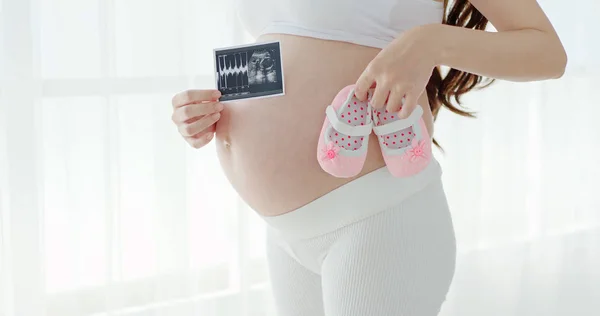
(365, 22)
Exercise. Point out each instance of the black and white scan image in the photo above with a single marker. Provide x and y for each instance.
(249, 71)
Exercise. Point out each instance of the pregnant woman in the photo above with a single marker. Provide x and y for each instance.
(373, 243)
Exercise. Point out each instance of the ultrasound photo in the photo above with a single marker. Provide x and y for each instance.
(249, 71)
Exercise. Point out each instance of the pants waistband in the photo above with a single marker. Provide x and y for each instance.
(353, 201)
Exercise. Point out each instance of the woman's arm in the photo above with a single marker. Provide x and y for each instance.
(525, 48)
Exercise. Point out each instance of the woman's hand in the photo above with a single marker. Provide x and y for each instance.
(195, 113)
(525, 47)
(399, 73)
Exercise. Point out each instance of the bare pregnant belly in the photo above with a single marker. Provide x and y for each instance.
(267, 147)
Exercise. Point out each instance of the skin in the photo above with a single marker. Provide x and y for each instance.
(267, 147)
(525, 48)
(196, 112)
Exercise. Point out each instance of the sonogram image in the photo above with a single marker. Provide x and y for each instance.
(249, 71)
(262, 67)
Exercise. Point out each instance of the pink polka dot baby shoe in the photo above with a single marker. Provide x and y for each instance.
(344, 138)
(405, 143)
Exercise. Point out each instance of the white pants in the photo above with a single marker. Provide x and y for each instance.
(377, 246)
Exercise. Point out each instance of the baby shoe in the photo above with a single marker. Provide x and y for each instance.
(344, 137)
(405, 143)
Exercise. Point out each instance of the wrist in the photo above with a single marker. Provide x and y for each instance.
(434, 41)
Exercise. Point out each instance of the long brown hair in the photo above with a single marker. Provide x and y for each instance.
(440, 90)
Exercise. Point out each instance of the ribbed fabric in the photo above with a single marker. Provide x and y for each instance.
(399, 260)
(352, 202)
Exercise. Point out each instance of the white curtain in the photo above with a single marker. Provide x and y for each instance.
(105, 211)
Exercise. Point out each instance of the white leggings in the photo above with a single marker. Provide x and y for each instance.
(377, 246)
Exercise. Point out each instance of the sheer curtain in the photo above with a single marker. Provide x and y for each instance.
(105, 211)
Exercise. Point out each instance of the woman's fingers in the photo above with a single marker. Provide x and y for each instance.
(191, 129)
(380, 96)
(199, 142)
(410, 103)
(395, 100)
(210, 129)
(201, 139)
(189, 112)
(195, 96)
(365, 82)
(195, 113)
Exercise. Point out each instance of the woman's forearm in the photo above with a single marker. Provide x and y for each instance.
(519, 55)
